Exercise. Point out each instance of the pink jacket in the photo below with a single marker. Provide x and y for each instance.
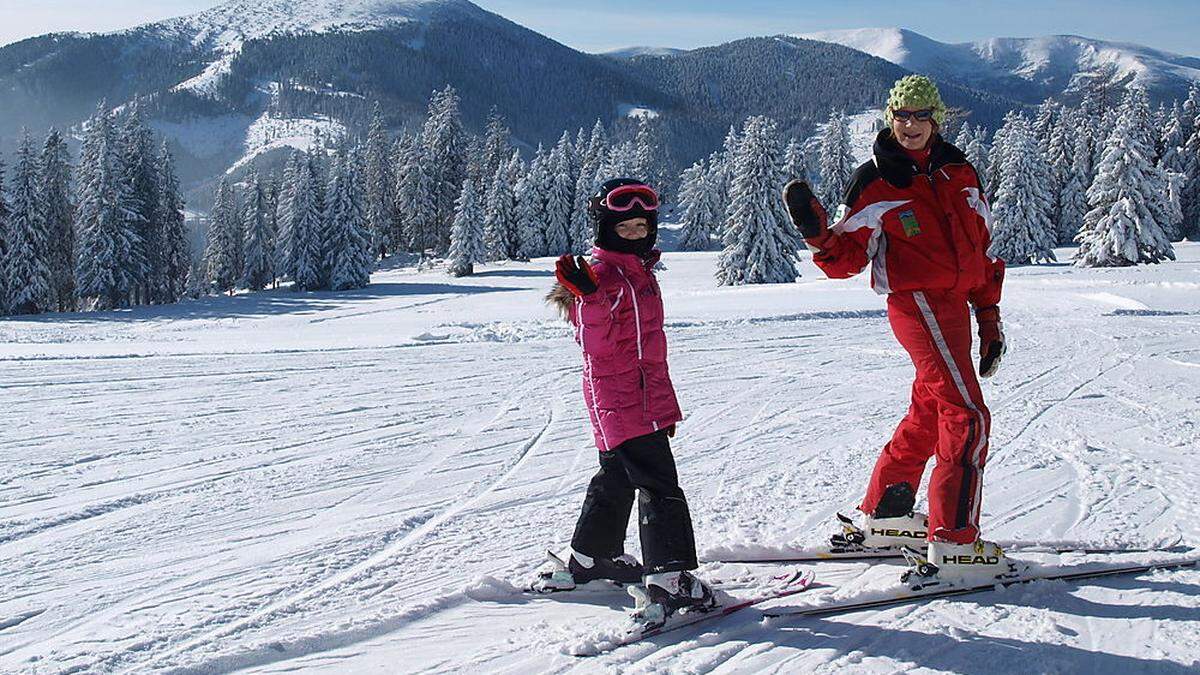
(620, 326)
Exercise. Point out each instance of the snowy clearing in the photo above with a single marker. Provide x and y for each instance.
(355, 481)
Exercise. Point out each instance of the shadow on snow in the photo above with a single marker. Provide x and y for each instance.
(264, 303)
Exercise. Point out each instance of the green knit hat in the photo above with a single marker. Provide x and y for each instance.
(916, 91)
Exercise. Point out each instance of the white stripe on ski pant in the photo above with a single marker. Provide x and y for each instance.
(948, 357)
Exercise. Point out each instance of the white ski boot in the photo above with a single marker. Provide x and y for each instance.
(949, 563)
(569, 569)
(666, 594)
(894, 524)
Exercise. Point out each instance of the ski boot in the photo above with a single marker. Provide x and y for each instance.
(570, 569)
(949, 563)
(893, 525)
(669, 593)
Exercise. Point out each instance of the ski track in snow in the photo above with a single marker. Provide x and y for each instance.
(362, 481)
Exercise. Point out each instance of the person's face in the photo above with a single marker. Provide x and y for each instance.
(634, 228)
(912, 133)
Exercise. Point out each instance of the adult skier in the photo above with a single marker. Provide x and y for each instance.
(917, 215)
(617, 310)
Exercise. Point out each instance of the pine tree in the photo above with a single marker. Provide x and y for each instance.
(559, 201)
(416, 201)
(977, 152)
(398, 237)
(379, 190)
(4, 242)
(4, 237)
(836, 159)
(649, 156)
(58, 213)
(259, 269)
(795, 163)
(530, 237)
(531, 209)
(699, 215)
(1190, 198)
(444, 148)
(1023, 232)
(760, 242)
(1059, 151)
(583, 235)
(1173, 142)
(497, 146)
(224, 241)
(498, 218)
(107, 219)
(176, 259)
(285, 214)
(996, 158)
(26, 259)
(1048, 114)
(348, 243)
(621, 162)
(304, 227)
(1073, 204)
(139, 153)
(467, 238)
(1123, 228)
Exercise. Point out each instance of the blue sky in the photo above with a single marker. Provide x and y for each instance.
(1173, 25)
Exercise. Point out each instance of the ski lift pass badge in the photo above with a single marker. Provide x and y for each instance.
(909, 220)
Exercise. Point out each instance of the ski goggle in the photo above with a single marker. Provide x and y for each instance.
(624, 198)
(918, 115)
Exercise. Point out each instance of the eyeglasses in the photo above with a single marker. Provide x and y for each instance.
(623, 198)
(918, 115)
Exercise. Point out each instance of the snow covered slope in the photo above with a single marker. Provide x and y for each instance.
(1044, 65)
(630, 52)
(235, 21)
(353, 482)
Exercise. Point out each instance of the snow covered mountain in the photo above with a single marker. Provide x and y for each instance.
(233, 22)
(630, 52)
(245, 81)
(1026, 68)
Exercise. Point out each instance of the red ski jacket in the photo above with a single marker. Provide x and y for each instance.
(921, 231)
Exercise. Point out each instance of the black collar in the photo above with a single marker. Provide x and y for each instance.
(898, 168)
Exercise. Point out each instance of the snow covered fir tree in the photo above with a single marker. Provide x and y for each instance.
(110, 230)
(1125, 225)
(760, 241)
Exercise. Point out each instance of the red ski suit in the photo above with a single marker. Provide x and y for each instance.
(925, 234)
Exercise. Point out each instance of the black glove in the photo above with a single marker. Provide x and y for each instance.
(576, 275)
(992, 344)
(806, 211)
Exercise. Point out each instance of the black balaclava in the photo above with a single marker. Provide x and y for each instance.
(605, 222)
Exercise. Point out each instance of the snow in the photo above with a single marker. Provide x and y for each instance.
(205, 84)
(631, 52)
(359, 481)
(634, 111)
(1035, 59)
(864, 128)
(269, 133)
(223, 29)
(230, 23)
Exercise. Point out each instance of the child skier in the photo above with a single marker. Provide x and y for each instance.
(917, 214)
(616, 308)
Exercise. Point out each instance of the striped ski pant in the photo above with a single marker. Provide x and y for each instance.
(947, 418)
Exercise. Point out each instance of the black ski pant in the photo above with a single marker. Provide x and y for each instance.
(645, 465)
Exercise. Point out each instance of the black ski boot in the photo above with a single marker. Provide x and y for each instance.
(565, 575)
